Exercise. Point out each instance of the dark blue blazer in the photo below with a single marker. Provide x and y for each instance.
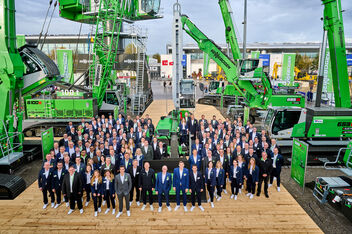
(212, 179)
(183, 130)
(200, 148)
(122, 163)
(255, 174)
(44, 182)
(221, 177)
(85, 178)
(82, 168)
(239, 174)
(159, 186)
(111, 186)
(279, 162)
(56, 183)
(181, 183)
(198, 162)
(196, 185)
(99, 189)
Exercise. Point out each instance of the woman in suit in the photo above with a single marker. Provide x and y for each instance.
(220, 179)
(236, 178)
(131, 146)
(86, 182)
(139, 157)
(252, 177)
(96, 188)
(210, 181)
(109, 191)
(183, 130)
(242, 164)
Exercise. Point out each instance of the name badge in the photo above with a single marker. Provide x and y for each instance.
(126, 179)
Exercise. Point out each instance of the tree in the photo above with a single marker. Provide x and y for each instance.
(157, 57)
(131, 49)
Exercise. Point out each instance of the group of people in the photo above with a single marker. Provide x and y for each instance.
(108, 158)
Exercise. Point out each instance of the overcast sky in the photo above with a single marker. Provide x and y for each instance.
(268, 21)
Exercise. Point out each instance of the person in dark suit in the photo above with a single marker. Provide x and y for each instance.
(252, 177)
(107, 167)
(147, 184)
(278, 162)
(210, 182)
(196, 186)
(195, 159)
(44, 183)
(147, 151)
(160, 152)
(134, 172)
(96, 188)
(236, 178)
(68, 128)
(80, 167)
(109, 191)
(220, 179)
(139, 157)
(193, 127)
(127, 162)
(123, 185)
(163, 187)
(72, 187)
(181, 184)
(265, 168)
(197, 146)
(87, 176)
(183, 130)
(254, 134)
(208, 159)
(57, 179)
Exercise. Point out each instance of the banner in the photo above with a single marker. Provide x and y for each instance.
(206, 64)
(65, 64)
(265, 59)
(255, 54)
(47, 141)
(299, 161)
(327, 84)
(288, 67)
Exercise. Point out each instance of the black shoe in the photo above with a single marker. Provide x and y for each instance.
(258, 194)
(267, 195)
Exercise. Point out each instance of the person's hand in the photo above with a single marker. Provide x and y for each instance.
(186, 190)
(201, 190)
(221, 186)
(174, 188)
(94, 194)
(98, 194)
(152, 189)
(156, 192)
(53, 190)
(41, 189)
(256, 182)
(265, 175)
(113, 195)
(190, 190)
(140, 189)
(102, 195)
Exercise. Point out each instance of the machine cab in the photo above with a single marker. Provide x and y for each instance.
(248, 66)
(187, 93)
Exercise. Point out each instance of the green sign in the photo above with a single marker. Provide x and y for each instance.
(288, 67)
(47, 141)
(65, 64)
(255, 54)
(327, 84)
(299, 161)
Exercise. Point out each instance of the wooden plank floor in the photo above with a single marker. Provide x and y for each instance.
(280, 213)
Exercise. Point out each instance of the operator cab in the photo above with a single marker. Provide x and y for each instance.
(148, 8)
(248, 66)
(187, 94)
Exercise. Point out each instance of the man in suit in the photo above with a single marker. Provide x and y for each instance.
(134, 172)
(254, 134)
(107, 167)
(160, 152)
(147, 184)
(265, 168)
(72, 188)
(181, 184)
(68, 128)
(278, 162)
(193, 127)
(123, 185)
(207, 159)
(196, 186)
(56, 183)
(195, 159)
(163, 186)
(44, 183)
(197, 146)
(147, 151)
(126, 162)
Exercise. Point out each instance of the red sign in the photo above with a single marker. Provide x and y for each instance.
(171, 63)
(165, 62)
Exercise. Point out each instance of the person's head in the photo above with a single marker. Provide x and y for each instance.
(70, 144)
(146, 143)
(195, 153)
(250, 150)
(46, 165)
(146, 166)
(218, 164)
(108, 160)
(209, 154)
(71, 170)
(96, 174)
(59, 165)
(276, 151)
(164, 169)
(273, 142)
(48, 157)
(264, 155)
(65, 136)
(88, 168)
(238, 148)
(266, 145)
(194, 168)
(84, 152)
(108, 172)
(127, 156)
(221, 151)
(210, 164)
(181, 164)
(235, 163)
(251, 162)
(78, 160)
(112, 152)
(135, 163)
(240, 158)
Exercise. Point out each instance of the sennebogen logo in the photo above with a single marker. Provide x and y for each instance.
(65, 62)
(326, 72)
(288, 71)
(217, 55)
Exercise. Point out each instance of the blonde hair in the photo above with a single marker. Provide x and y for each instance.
(93, 178)
(218, 163)
(249, 164)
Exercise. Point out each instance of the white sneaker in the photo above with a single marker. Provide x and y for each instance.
(107, 210)
(103, 203)
(185, 208)
(159, 210)
(232, 196)
(70, 211)
(81, 211)
(95, 213)
(212, 205)
(67, 204)
(130, 203)
(56, 206)
(138, 203)
(208, 200)
(192, 208)
(87, 203)
(118, 214)
(248, 194)
(151, 208)
(201, 208)
(99, 209)
(45, 206)
(52, 204)
(169, 208)
(219, 198)
(225, 191)
(251, 196)
(176, 208)
(269, 185)
(274, 178)
(128, 213)
(278, 189)
(113, 211)
(216, 196)
(240, 191)
(143, 207)
(235, 197)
